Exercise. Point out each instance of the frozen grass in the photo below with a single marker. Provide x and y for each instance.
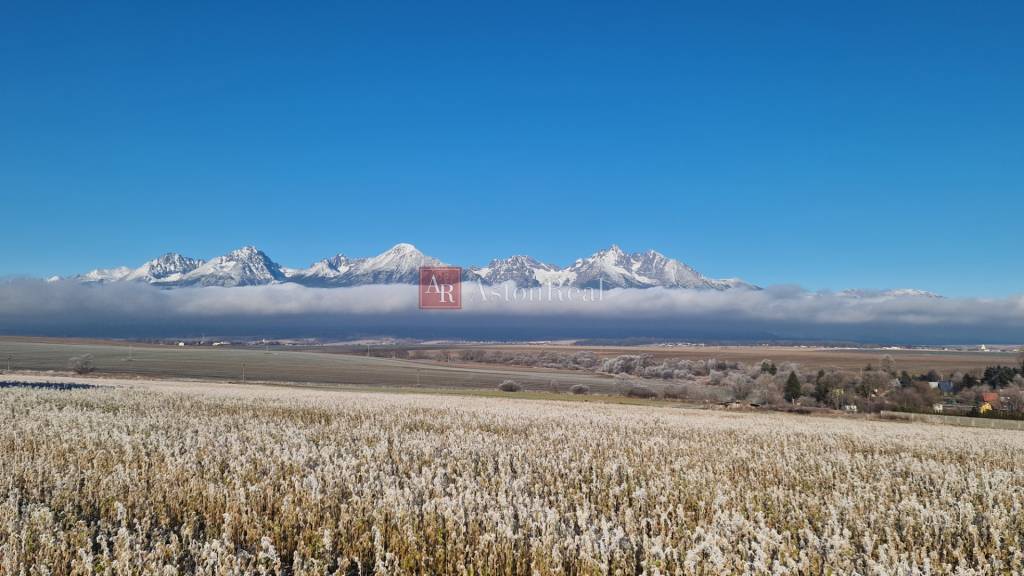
(223, 479)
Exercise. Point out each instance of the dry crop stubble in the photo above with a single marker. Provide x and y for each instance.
(222, 479)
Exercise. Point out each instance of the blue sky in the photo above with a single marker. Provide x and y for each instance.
(855, 145)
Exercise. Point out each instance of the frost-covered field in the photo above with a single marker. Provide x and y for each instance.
(229, 480)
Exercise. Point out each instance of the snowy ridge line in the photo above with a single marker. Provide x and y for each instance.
(249, 266)
(609, 268)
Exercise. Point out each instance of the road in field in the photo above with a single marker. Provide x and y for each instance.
(281, 366)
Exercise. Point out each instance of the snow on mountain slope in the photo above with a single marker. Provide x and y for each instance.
(614, 268)
(563, 277)
(523, 270)
(727, 283)
(668, 272)
(101, 275)
(610, 268)
(398, 265)
(326, 272)
(167, 269)
(247, 266)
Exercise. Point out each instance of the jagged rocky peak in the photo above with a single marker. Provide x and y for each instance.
(333, 266)
(610, 268)
(246, 266)
(615, 268)
(338, 260)
(521, 269)
(171, 266)
(245, 253)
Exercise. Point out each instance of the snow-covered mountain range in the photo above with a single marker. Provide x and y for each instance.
(246, 266)
(249, 266)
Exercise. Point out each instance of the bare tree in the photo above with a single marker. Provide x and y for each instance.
(81, 364)
(1014, 399)
(872, 381)
(889, 364)
(741, 385)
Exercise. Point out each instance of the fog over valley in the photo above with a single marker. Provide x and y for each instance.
(71, 308)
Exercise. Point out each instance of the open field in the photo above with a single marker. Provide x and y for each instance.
(915, 361)
(218, 478)
(953, 420)
(281, 366)
(346, 364)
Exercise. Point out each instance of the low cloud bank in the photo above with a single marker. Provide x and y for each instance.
(780, 312)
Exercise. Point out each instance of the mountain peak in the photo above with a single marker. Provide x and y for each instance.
(245, 266)
(337, 260)
(170, 267)
(521, 269)
(519, 259)
(614, 268)
(103, 275)
(403, 248)
(247, 251)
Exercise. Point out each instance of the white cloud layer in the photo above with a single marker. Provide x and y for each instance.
(787, 311)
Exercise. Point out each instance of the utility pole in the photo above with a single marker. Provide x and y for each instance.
(8, 362)
(367, 350)
(418, 377)
(243, 372)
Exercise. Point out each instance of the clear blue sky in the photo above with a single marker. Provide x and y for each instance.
(853, 145)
